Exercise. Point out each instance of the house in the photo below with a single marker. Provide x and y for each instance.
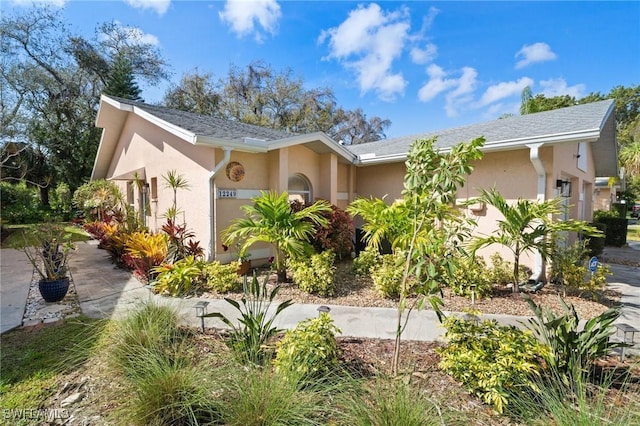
(226, 164)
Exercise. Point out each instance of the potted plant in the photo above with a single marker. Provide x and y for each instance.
(244, 264)
(49, 250)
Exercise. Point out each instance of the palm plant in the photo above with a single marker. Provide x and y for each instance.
(526, 227)
(271, 220)
(174, 181)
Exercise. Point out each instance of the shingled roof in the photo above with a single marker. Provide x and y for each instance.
(592, 122)
(206, 125)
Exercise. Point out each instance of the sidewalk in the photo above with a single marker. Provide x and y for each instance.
(108, 292)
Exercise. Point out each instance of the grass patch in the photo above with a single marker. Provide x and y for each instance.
(15, 238)
(32, 361)
(633, 233)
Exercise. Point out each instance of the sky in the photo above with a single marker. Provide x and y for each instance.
(424, 65)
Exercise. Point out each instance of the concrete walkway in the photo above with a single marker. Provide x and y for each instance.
(108, 292)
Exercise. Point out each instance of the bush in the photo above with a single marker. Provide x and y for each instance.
(368, 259)
(616, 231)
(337, 236)
(387, 277)
(221, 278)
(494, 362)
(595, 245)
(310, 350)
(315, 274)
(471, 271)
(567, 262)
(572, 348)
(20, 204)
(501, 271)
(147, 251)
(60, 201)
(179, 279)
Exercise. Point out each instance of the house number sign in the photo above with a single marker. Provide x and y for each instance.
(227, 193)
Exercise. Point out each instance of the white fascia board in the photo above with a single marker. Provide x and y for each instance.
(313, 137)
(171, 128)
(591, 135)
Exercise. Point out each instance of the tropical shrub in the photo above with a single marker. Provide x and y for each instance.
(250, 338)
(572, 348)
(178, 279)
(180, 242)
(567, 263)
(387, 277)
(221, 278)
(146, 251)
(310, 350)
(99, 199)
(471, 274)
(368, 259)
(315, 274)
(336, 236)
(494, 362)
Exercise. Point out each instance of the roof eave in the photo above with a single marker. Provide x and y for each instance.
(313, 137)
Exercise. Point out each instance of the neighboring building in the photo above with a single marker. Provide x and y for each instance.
(226, 164)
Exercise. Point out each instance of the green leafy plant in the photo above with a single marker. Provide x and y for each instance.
(501, 271)
(222, 278)
(310, 350)
(387, 277)
(50, 252)
(315, 274)
(174, 181)
(250, 338)
(526, 226)
(178, 279)
(368, 259)
(423, 224)
(572, 347)
(272, 220)
(494, 362)
(471, 275)
(337, 235)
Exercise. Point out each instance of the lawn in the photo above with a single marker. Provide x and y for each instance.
(17, 234)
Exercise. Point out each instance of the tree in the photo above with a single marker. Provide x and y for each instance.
(272, 220)
(278, 100)
(51, 81)
(423, 226)
(526, 226)
(121, 81)
(195, 93)
(174, 181)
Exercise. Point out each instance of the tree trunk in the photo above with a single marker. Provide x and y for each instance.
(516, 275)
(396, 348)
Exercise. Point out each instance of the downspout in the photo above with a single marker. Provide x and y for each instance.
(534, 155)
(212, 198)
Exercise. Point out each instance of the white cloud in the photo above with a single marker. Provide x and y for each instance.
(437, 84)
(245, 15)
(425, 55)
(537, 52)
(55, 3)
(558, 87)
(159, 6)
(368, 42)
(504, 90)
(458, 90)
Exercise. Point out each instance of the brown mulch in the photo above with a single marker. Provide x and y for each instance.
(359, 291)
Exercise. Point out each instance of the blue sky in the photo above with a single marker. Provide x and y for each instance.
(423, 65)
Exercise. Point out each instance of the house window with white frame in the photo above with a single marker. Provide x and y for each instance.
(300, 189)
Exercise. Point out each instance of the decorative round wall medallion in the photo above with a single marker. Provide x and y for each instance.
(235, 171)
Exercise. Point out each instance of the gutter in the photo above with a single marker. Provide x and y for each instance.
(534, 155)
(212, 198)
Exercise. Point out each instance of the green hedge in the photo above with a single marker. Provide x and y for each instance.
(616, 231)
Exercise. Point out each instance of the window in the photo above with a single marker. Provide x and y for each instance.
(299, 189)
